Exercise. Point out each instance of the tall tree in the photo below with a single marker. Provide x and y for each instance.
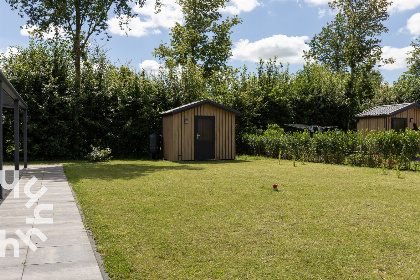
(407, 88)
(414, 58)
(79, 19)
(202, 38)
(351, 43)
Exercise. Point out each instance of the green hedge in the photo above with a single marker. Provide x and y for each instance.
(371, 149)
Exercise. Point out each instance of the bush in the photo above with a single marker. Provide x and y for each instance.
(99, 155)
(372, 149)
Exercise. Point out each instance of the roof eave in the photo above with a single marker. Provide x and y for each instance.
(197, 104)
(11, 91)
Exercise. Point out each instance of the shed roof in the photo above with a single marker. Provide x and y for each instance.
(387, 110)
(196, 104)
(10, 94)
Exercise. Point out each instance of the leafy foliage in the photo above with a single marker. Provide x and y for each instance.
(118, 107)
(351, 44)
(408, 84)
(203, 38)
(360, 149)
(98, 155)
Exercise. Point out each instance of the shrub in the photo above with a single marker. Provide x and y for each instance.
(99, 155)
(372, 149)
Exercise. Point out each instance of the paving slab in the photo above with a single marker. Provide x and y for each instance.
(62, 271)
(12, 273)
(58, 246)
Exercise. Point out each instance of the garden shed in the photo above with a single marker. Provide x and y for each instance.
(201, 130)
(386, 117)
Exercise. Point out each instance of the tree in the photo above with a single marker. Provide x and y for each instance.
(407, 87)
(414, 58)
(79, 19)
(351, 42)
(202, 38)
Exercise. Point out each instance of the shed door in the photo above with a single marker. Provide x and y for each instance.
(204, 135)
(398, 124)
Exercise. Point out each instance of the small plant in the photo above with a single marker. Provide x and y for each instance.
(294, 161)
(99, 155)
(279, 156)
(303, 159)
(383, 168)
(398, 171)
(416, 165)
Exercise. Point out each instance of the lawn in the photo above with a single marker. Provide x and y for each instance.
(222, 219)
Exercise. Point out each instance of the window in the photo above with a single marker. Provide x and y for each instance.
(398, 124)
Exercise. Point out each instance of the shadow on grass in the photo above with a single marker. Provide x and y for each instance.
(117, 171)
(210, 162)
(130, 169)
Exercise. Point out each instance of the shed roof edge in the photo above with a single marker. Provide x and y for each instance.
(192, 105)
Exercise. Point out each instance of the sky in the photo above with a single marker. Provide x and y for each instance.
(270, 28)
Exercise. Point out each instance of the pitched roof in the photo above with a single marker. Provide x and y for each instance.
(387, 110)
(196, 104)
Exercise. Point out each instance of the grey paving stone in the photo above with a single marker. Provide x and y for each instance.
(66, 239)
(11, 261)
(63, 271)
(67, 252)
(61, 254)
(12, 273)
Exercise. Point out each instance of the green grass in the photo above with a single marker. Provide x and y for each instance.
(222, 219)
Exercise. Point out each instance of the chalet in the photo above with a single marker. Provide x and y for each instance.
(386, 117)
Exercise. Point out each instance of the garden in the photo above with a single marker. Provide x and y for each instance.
(223, 220)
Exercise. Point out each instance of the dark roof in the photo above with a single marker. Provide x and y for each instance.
(10, 94)
(196, 104)
(387, 110)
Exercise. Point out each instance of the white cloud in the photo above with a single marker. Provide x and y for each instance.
(321, 13)
(238, 6)
(404, 5)
(287, 49)
(399, 54)
(317, 2)
(149, 22)
(151, 66)
(9, 52)
(26, 31)
(135, 27)
(413, 24)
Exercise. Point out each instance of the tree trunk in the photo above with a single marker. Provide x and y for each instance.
(77, 84)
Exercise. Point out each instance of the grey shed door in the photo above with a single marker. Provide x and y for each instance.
(204, 137)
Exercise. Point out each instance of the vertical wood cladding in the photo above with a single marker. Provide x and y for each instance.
(178, 136)
(384, 123)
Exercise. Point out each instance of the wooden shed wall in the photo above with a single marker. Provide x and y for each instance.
(369, 124)
(379, 124)
(178, 137)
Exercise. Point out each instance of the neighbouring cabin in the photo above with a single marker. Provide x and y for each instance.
(386, 117)
(201, 130)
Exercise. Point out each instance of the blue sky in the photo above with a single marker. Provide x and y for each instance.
(269, 28)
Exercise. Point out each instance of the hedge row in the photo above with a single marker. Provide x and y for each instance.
(371, 149)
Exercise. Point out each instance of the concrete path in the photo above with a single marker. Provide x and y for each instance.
(59, 246)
